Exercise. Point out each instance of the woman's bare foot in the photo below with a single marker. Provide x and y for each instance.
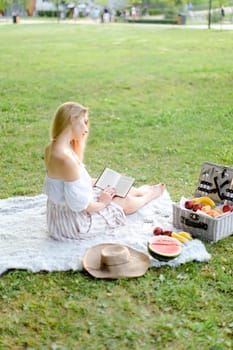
(157, 190)
(135, 201)
(153, 191)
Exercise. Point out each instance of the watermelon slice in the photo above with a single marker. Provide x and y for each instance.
(164, 247)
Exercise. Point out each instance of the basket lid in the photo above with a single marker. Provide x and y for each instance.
(216, 182)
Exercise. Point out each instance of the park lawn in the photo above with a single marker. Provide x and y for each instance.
(160, 105)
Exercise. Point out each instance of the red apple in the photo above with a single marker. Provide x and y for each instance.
(197, 207)
(167, 233)
(189, 204)
(227, 207)
(158, 231)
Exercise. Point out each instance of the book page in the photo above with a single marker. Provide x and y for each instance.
(124, 185)
(108, 177)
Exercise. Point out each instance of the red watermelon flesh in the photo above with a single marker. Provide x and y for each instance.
(164, 247)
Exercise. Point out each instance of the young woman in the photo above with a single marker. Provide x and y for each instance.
(74, 205)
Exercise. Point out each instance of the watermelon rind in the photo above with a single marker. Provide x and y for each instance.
(159, 257)
(163, 256)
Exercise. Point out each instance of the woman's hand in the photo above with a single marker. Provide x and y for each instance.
(107, 195)
(105, 198)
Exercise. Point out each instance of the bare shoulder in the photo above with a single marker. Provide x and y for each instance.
(60, 164)
(69, 168)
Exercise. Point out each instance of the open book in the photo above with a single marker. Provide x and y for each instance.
(112, 178)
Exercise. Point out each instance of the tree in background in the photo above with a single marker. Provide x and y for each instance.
(16, 6)
(3, 6)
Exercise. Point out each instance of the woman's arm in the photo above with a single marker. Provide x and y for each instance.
(105, 198)
(94, 207)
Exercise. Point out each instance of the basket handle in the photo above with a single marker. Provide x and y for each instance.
(192, 223)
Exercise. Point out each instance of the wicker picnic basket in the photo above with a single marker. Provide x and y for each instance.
(216, 182)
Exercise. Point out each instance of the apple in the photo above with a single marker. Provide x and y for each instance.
(189, 204)
(197, 206)
(167, 233)
(158, 231)
(227, 207)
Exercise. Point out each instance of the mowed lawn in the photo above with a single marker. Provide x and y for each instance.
(160, 105)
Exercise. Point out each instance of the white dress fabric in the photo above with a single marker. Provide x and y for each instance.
(66, 204)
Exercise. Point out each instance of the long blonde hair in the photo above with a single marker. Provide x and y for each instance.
(62, 119)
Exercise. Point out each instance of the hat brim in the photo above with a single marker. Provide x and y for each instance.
(137, 265)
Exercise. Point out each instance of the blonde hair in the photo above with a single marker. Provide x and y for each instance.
(64, 115)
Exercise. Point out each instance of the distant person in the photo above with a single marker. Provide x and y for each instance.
(75, 13)
(133, 12)
(190, 10)
(112, 16)
(106, 16)
(123, 15)
(222, 13)
(102, 16)
(95, 14)
(74, 204)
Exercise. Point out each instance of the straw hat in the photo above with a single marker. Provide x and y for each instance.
(115, 261)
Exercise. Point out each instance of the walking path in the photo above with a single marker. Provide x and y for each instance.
(219, 26)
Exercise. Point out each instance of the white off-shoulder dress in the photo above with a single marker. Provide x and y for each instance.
(66, 208)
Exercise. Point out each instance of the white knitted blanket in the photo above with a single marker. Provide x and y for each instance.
(24, 241)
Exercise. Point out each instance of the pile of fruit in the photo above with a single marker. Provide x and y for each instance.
(166, 245)
(180, 236)
(207, 205)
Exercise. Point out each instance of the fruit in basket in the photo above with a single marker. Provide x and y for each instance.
(164, 248)
(207, 205)
(227, 207)
(158, 231)
(204, 201)
(188, 204)
(197, 206)
(214, 212)
(206, 209)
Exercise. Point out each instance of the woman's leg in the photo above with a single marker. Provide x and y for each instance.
(140, 191)
(132, 203)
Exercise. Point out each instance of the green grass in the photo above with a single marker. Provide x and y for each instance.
(160, 104)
